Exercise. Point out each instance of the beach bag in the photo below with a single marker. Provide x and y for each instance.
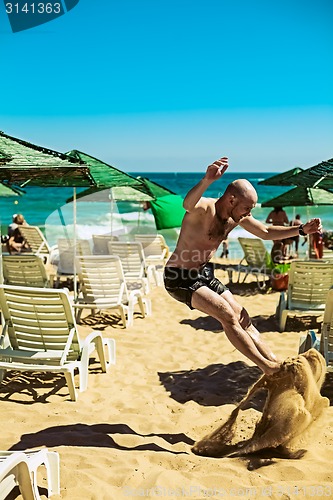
(168, 211)
(280, 277)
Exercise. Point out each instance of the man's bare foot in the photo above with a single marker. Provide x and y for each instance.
(271, 367)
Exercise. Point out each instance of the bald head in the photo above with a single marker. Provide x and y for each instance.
(238, 200)
(242, 189)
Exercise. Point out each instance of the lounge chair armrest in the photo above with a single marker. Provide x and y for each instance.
(91, 337)
(134, 294)
(100, 342)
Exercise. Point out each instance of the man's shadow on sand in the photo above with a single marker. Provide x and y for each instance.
(214, 385)
(209, 324)
(263, 323)
(97, 435)
(219, 384)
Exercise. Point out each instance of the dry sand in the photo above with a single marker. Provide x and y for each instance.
(177, 378)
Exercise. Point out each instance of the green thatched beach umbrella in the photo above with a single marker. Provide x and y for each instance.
(300, 197)
(320, 175)
(155, 189)
(28, 164)
(283, 179)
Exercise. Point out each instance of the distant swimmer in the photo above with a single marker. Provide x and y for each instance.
(189, 276)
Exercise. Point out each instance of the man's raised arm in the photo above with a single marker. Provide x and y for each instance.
(213, 172)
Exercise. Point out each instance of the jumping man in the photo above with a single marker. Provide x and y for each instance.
(188, 275)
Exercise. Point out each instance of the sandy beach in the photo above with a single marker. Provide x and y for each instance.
(176, 378)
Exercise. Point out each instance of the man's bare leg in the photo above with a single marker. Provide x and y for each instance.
(245, 322)
(218, 307)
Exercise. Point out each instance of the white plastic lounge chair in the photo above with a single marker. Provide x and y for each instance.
(156, 252)
(25, 270)
(101, 243)
(136, 270)
(254, 261)
(309, 283)
(67, 253)
(36, 241)
(40, 335)
(323, 342)
(19, 468)
(103, 286)
(154, 247)
(327, 332)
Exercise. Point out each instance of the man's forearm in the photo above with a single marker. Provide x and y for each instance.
(282, 232)
(194, 195)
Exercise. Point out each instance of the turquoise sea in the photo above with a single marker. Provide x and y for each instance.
(47, 208)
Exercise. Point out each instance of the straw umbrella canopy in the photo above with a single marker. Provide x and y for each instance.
(155, 189)
(105, 175)
(124, 186)
(300, 197)
(28, 164)
(283, 179)
(320, 175)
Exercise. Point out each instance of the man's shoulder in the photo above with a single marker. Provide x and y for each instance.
(206, 203)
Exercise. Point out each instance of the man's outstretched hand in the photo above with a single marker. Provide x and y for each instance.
(217, 169)
(312, 226)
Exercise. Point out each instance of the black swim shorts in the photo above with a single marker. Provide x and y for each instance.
(180, 283)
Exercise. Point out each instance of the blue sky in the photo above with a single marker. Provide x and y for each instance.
(151, 85)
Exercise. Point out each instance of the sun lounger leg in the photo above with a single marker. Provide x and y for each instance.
(283, 319)
(53, 476)
(25, 485)
(123, 315)
(69, 375)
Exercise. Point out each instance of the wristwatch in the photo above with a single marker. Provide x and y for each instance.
(301, 230)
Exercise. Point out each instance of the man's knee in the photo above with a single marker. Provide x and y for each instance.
(228, 317)
(242, 315)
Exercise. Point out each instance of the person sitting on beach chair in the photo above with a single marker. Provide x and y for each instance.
(188, 275)
(16, 243)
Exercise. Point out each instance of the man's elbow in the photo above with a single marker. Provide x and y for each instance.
(188, 206)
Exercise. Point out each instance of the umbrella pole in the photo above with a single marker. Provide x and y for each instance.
(1, 270)
(74, 241)
(139, 215)
(309, 239)
(111, 208)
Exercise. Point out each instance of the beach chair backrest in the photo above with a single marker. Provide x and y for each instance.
(67, 252)
(24, 270)
(309, 283)
(327, 330)
(40, 319)
(153, 245)
(101, 243)
(101, 279)
(131, 256)
(255, 252)
(35, 239)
